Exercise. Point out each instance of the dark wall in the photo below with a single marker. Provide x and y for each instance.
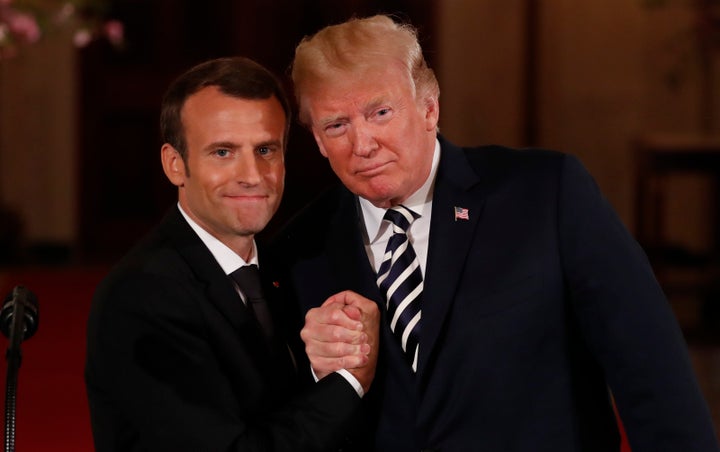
(123, 191)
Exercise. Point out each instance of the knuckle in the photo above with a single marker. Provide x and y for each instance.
(310, 351)
(335, 315)
(310, 315)
(337, 333)
(339, 349)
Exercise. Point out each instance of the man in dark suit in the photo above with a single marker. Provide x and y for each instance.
(182, 358)
(535, 310)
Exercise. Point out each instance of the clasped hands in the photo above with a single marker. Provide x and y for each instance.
(343, 333)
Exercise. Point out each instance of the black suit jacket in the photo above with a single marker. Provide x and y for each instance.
(176, 363)
(533, 307)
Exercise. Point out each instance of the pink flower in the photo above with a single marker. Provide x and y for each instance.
(24, 26)
(82, 37)
(64, 14)
(115, 32)
(19, 27)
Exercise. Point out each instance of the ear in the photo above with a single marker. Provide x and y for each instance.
(173, 165)
(319, 143)
(432, 113)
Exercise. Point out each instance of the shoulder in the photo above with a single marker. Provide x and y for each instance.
(496, 165)
(497, 157)
(153, 269)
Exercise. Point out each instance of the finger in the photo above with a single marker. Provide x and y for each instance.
(351, 298)
(336, 349)
(332, 314)
(331, 334)
(352, 312)
(338, 298)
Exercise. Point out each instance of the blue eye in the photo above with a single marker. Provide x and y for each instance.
(222, 152)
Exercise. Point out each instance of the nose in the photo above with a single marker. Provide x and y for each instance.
(247, 169)
(364, 142)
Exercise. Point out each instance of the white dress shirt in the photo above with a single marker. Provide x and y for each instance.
(229, 260)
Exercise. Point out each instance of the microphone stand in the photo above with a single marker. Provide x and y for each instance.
(14, 357)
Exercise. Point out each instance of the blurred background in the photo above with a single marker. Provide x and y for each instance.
(631, 87)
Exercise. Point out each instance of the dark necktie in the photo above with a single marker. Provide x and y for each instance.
(248, 279)
(400, 280)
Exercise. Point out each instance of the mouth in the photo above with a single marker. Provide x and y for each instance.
(246, 198)
(372, 170)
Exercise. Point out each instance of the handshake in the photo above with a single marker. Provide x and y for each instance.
(343, 333)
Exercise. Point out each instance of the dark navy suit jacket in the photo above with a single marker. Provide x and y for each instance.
(176, 363)
(538, 311)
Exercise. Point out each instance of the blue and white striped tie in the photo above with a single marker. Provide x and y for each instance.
(400, 280)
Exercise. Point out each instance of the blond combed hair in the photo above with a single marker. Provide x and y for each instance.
(355, 46)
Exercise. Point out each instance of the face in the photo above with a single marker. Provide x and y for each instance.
(378, 137)
(233, 180)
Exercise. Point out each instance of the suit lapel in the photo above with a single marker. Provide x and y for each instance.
(218, 287)
(456, 185)
(287, 318)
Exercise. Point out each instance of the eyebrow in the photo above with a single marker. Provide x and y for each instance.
(233, 145)
(221, 144)
(329, 120)
(270, 143)
(375, 103)
(371, 105)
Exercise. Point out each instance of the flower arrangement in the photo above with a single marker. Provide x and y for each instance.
(24, 22)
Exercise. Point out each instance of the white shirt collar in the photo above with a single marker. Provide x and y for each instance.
(419, 202)
(227, 258)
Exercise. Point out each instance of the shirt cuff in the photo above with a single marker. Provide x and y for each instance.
(347, 376)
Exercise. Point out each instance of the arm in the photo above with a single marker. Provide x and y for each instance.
(343, 334)
(628, 323)
(164, 374)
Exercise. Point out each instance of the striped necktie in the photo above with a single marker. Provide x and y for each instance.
(400, 280)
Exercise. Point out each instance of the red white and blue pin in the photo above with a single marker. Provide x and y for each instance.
(461, 213)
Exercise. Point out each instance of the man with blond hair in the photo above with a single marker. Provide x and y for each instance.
(517, 309)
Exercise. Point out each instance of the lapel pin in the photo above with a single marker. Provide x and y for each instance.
(461, 213)
(276, 284)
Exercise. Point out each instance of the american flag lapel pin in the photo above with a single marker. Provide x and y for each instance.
(461, 213)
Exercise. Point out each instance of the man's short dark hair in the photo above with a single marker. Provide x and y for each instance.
(235, 76)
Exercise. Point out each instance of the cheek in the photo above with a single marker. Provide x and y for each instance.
(209, 182)
(275, 176)
(334, 148)
(339, 158)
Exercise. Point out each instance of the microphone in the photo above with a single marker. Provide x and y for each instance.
(18, 321)
(19, 315)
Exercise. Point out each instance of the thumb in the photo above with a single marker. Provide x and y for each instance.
(353, 312)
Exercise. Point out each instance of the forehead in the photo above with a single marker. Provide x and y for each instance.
(212, 115)
(341, 92)
(209, 103)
